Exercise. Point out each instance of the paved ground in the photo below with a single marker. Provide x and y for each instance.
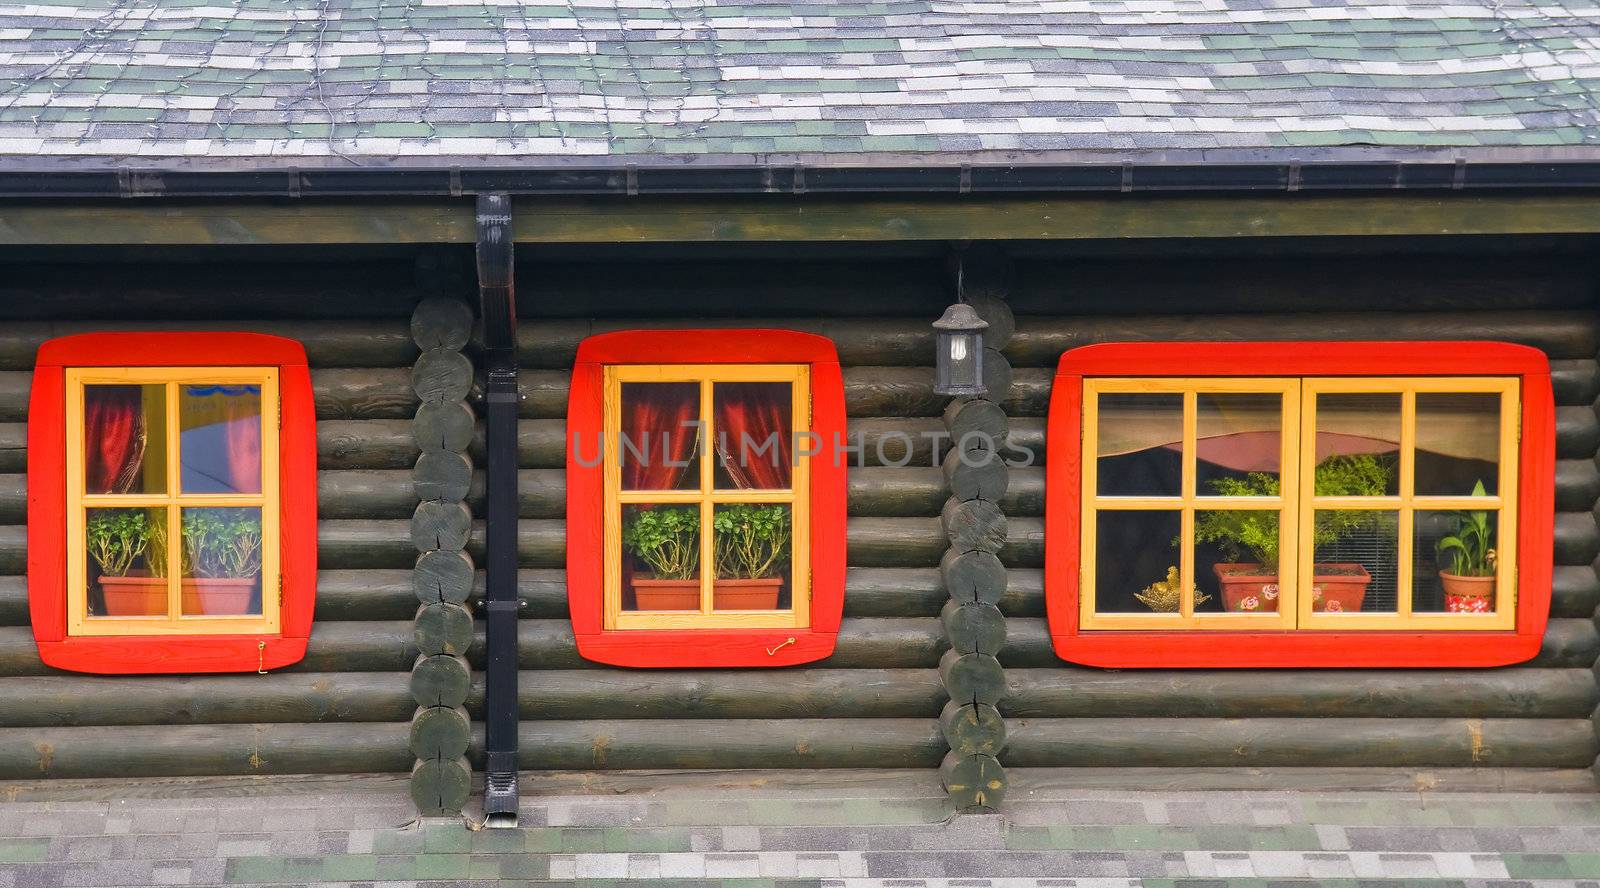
(766, 830)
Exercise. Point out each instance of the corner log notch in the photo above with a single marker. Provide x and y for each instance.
(497, 296)
(442, 579)
(973, 574)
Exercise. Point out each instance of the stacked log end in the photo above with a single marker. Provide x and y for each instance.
(443, 577)
(1578, 479)
(975, 526)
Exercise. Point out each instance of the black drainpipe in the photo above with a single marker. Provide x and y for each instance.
(497, 293)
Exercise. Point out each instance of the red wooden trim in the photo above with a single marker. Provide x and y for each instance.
(1301, 648)
(692, 648)
(297, 474)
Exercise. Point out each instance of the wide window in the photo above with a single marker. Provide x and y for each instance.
(705, 523)
(1331, 509)
(167, 484)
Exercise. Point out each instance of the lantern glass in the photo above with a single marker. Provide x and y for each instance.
(960, 364)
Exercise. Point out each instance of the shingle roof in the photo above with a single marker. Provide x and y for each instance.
(374, 82)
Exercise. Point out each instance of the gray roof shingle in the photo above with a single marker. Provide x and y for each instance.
(479, 82)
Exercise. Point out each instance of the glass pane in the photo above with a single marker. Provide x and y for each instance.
(221, 562)
(1238, 444)
(1454, 570)
(660, 436)
(127, 562)
(661, 558)
(753, 556)
(1140, 445)
(1136, 562)
(1236, 560)
(219, 445)
(755, 434)
(1358, 437)
(124, 439)
(1458, 443)
(1356, 561)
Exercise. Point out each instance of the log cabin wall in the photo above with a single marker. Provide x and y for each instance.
(343, 709)
(876, 702)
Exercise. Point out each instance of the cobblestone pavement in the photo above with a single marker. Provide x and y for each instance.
(735, 829)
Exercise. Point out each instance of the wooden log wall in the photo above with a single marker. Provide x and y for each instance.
(877, 701)
(346, 707)
(440, 527)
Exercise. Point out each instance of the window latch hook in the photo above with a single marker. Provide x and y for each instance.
(772, 651)
(261, 658)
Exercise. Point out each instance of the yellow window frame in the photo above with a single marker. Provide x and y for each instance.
(1297, 509)
(707, 496)
(173, 500)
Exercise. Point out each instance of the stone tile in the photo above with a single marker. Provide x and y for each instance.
(732, 866)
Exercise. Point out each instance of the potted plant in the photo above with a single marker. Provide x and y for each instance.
(1469, 579)
(752, 547)
(667, 540)
(1253, 586)
(117, 539)
(222, 560)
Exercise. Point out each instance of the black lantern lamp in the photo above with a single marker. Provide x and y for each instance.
(960, 344)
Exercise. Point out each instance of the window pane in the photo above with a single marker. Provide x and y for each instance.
(220, 438)
(1236, 560)
(221, 562)
(755, 434)
(660, 436)
(1140, 445)
(126, 562)
(1454, 554)
(1356, 560)
(1458, 443)
(124, 439)
(1358, 437)
(754, 546)
(661, 558)
(1238, 444)
(1136, 559)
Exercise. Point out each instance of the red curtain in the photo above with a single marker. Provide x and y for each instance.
(113, 437)
(244, 441)
(659, 427)
(754, 436)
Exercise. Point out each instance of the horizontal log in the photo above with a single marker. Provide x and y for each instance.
(1567, 643)
(1039, 341)
(364, 393)
(196, 750)
(1043, 782)
(1326, 742)
(1577, 538)
(13, 447)
(1517, 692)
(73, 700)
(777, 694)
(552, 344)
(915, 542)
(13, 601)
(345, 342)
(1575, 591)
(1576, 382)
(864, 643)
(728, 744)
(1577, 432)
(365, 444)
(1577, 485)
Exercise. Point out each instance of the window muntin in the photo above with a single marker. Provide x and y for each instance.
(171, 494)
(1172, 439)
(699, 459)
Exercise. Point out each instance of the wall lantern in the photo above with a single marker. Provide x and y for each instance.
(960, 345)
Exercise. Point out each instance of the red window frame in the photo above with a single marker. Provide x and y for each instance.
(1123, 649)
(690, 648)
(47, 504)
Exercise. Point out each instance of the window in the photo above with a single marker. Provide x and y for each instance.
(1347, 504)
(162, 539)
(704, 528)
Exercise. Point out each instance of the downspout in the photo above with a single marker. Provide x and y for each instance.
(497, 292)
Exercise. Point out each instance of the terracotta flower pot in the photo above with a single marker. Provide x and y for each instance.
(1339, 587)
(134, 596)
(1250, 588)
(217, 596)
(651, 594)
(1247, 588)
(747, 594)
(1467, 595)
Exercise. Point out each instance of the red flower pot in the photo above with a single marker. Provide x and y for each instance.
(134, 596)
(1467, 595)
(217, 596)
(1250, 588)
(1247, 588)
(1338, 588)
(666, 595)
(747, 594)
